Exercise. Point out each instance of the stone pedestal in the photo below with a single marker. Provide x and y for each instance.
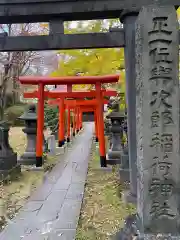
(124, 171)
(30, 119)
(8, 158)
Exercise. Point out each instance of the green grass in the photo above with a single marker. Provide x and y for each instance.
(102, 212)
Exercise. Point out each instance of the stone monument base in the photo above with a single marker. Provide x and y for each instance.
(130, 230)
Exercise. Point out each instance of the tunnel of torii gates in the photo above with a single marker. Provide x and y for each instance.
(77, 107)
(41, 82)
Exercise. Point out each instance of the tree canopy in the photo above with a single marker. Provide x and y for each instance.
(89, 61)
(92, 61)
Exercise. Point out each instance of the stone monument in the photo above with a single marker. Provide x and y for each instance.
(157, 113)
(158, 156)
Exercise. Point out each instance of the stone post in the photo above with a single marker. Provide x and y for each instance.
(30, 118)
(124, 170)
(51, 145)
(128, 19)
(158, 149)
(8, 159)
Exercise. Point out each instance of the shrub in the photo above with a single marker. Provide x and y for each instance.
(12, 113)
(51, 117)
(51, 114)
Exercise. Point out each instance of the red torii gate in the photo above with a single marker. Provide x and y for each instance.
(42, 81)
(61, 102)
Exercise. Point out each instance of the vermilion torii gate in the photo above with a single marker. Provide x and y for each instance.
(59, 101)
(69, 105)
(42, 81)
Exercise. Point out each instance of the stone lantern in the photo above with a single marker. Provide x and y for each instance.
(115, 153)
(8, 158)
(30, 119)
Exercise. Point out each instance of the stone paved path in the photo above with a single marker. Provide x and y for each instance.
(52, 212)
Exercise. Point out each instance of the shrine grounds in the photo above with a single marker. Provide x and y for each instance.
(102, 211)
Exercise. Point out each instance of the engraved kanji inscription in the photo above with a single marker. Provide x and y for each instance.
(160, 25)
(161, 168)
(167, 142)
(164, 117)
(155, 118)
(161, 98)
(160, 54)
(167, 118)
(155, 141)
(159, 188)
(161, 72)
(161, 209)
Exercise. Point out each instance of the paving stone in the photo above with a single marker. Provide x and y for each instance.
(52, 206)
(65, 180)
(82, 166)
(26, 215)
(78, 177)
(55, 174)
(69, 215)
(75, 191)
(12, 232)
(41, 194)
(64, 234)
(28, 223)
(32, 206)
(62, 184)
